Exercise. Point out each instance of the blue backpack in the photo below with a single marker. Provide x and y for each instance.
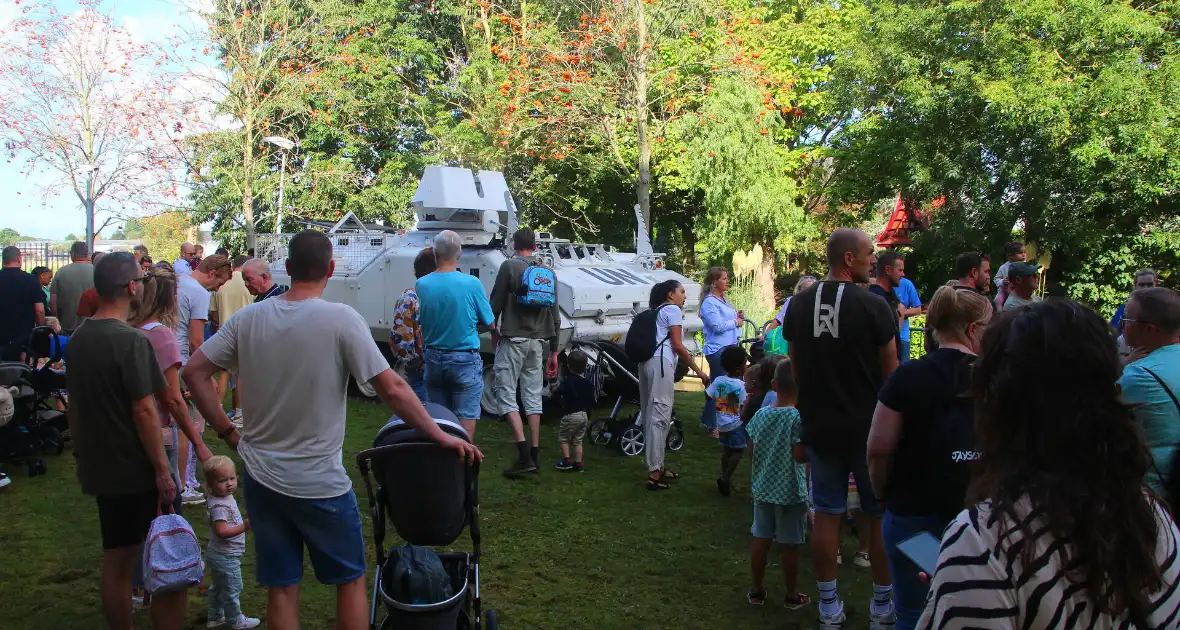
(538, 287)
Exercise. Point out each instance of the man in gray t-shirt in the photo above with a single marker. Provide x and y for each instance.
(1023, 279)
(69, 283)
(298, 493)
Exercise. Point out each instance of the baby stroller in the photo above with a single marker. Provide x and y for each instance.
(430, 497)
(614, 374)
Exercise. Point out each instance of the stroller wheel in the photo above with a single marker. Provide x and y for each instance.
(36, 467)
(489, 620)
(631, 442)
(599, 433)
(51, 440)
(675, 439)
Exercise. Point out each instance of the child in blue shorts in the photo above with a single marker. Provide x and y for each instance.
(728, 393)
(778, 484)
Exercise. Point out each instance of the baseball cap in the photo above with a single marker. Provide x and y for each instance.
(1022, 269)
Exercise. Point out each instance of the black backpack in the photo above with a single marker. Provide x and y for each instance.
(641, 343)
(415, 575)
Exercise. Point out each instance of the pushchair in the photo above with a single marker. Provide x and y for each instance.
(430, 497)
(36, 426)
(614, 375)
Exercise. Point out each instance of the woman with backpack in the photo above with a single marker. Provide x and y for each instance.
(722, 329)
(657, 378)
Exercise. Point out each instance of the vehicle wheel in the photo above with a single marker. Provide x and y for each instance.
(490, 620)
(486, 402)
(599, 433)
(675, 439)
(632, 441)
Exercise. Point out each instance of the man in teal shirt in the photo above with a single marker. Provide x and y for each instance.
(1151, 382)
(452, 310)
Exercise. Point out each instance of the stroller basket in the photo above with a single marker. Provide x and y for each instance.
(444, 614)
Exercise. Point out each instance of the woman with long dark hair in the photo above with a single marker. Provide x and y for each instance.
(657, 379)
(1062, 532)
(722, 329)
(921, 443)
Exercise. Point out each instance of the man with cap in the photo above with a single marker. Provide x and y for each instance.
(1023, 279)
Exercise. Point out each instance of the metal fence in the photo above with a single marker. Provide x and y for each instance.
(43, 253)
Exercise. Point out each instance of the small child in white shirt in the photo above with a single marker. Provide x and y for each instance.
(227, 544)
(728, 393)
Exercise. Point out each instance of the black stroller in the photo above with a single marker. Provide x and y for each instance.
(614, 375)
(36, 426)
(430, 497)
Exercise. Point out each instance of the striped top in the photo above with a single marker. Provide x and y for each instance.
(982, 583)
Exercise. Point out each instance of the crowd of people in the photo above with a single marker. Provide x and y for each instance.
(1036, 440)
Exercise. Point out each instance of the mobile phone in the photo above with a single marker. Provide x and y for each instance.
(922, 549)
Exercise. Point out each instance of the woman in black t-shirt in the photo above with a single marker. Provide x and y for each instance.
(921, 442)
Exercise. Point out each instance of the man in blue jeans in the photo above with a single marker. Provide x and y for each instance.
(842, 346)
(452, 309)
(298, 493)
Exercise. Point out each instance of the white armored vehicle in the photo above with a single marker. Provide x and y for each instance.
(599, 290)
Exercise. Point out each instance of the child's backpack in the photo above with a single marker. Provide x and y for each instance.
(538, 287)
(415, 575)
(641, 343)
(171, 556)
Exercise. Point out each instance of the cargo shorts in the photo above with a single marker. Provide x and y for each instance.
(519, 364)
(573, 428)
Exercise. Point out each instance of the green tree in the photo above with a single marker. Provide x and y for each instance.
(1057, 116)
(71, 237)
(8, 236)
(132, 229)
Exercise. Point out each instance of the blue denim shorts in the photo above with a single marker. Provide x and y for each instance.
(283, 525)
(455, 381)
(786, 524)
(829, 482)
(733, 439)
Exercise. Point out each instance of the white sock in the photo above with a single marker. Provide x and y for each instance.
(882, 600)
(829, 600)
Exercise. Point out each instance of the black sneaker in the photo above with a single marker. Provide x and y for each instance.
(723, 487)
(520, 468)
(564, 464)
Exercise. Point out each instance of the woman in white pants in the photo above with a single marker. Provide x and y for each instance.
(657, 378)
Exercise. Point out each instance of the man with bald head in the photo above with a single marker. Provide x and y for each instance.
(188, 256)
(256, 275)
(842, 347)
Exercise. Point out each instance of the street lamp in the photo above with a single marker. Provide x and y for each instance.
(286, 145)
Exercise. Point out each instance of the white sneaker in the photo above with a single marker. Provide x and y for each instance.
(4, 480)
(861, 559)
(191, 497)
(213, 623)
(244, 622)
(839, 558)
(833, 622)
(886, 621)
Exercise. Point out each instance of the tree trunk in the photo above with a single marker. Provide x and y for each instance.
(643, 180)
(764, 278)
(248, 186)
(688, 240)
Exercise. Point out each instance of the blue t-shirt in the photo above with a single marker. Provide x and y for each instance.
(775, 477)
(451, 305)
(720, 324)
(908, 294)
(771, 398)
(1152, 406)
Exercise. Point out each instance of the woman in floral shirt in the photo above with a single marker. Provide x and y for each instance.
(405, 336)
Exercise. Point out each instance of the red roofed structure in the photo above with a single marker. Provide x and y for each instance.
(905, 220)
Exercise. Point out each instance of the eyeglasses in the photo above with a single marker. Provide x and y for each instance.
(139, 279)
(1137, 321)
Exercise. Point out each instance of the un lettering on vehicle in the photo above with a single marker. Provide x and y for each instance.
(616, 277)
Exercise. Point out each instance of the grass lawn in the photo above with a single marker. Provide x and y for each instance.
(590, 550)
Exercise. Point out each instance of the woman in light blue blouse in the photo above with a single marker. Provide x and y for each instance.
(723, 326)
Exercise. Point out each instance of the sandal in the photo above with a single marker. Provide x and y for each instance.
(796, 601)
(667, 474)
(654, 484)
(757, 598)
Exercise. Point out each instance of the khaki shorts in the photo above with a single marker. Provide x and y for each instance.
(573, 428)
(519, 364)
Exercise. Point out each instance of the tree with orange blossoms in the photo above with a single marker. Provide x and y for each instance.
(596, 82)
(80, 100)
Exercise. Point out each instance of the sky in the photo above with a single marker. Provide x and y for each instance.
(22, 206)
